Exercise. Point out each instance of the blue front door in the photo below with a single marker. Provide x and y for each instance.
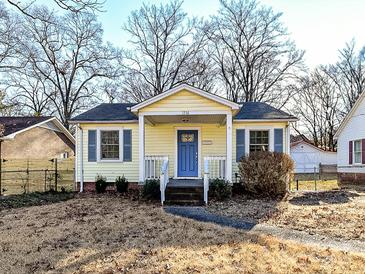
(187, 153)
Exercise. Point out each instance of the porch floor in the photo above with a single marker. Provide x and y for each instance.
(185, 183)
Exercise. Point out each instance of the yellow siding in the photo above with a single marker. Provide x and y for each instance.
(161, 140)
(185, 101)
(110, 170)
(253, 125)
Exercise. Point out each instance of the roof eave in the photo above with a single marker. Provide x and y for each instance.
(101, 121)
(268, 120)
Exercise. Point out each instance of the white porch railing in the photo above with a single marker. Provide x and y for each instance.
(214, 167)
(164, 178)
(153, 166)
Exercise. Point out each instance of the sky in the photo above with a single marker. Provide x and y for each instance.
(320, 27)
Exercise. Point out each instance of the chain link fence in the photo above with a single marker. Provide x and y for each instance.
(19, 176)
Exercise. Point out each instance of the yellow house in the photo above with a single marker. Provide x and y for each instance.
(183, 137)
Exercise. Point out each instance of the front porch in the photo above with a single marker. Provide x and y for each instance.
(182, 151)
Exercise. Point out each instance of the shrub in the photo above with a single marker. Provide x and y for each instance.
(121, 184)
(100, 184)
(151, 189)
(220, 189)
(266, 173)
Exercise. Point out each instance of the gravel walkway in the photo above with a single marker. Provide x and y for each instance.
(200, 214)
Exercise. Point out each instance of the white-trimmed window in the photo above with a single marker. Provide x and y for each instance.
(109, 144)
(259, 140)
(357, 152)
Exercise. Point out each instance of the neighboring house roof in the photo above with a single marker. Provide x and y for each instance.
(262, 111)
(113, 112)
(293, 144)
(16, 125)
(181, 87)
(350, 114)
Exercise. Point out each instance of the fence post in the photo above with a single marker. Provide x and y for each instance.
(56, 174)
(297, 184)
(315, 180)
(1, 173)
(27, 172)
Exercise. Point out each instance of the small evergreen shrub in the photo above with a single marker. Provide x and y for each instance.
(266, 173)
(121, 184)
(151, 189)
(220, 189)
(100, 184)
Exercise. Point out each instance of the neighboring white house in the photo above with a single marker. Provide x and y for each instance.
(351, 144)
(308, 157)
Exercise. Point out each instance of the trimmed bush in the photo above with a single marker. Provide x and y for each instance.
(100, 184)
(266, 173)
(220, 189)
(151, 189)
(121, 184)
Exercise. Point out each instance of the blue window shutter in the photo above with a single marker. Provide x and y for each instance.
(278, 140)
(127, 145)
(91, 146)
(240, 144)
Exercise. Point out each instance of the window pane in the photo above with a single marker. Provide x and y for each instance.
(357, 152)
(109, 144)
(259, 140)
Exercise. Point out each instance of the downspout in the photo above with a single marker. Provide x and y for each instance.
(288, 138)
(81, 158)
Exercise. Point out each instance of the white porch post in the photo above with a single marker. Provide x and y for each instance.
(229, 148)
(81, 158)
(141, 146)
(288, 139)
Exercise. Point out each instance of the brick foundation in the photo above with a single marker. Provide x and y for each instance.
(90, 187)
(351, 180)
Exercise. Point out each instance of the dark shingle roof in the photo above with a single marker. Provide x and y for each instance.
(14, 124)
(261, 111)
(108, 112)
(121, 112)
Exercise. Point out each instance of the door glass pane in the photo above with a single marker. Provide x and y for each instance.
(187, 137)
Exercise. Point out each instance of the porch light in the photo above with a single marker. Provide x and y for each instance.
(185, 120)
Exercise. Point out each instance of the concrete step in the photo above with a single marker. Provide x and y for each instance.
(184, 196)
(185, 202)
(184, 190)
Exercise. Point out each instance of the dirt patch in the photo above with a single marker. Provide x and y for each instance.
(107, 234)
(33, 199)
(338, 214)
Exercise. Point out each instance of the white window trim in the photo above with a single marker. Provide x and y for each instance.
(249, 138)
(353, 152)
(257, 127)
(98, 145)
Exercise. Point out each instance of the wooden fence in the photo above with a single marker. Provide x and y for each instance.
(18, 176)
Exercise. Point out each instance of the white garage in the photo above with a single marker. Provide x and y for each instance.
(307, 157)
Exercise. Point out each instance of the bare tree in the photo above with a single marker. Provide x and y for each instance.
(68, 5)
(253, 52)
(8, 39)
(317, 103)
(166, 50)
(69, 54)
(29, 90)
(349, 74)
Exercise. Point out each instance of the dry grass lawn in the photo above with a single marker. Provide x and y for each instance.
(331, 213)
(315, 185)
(111, 234)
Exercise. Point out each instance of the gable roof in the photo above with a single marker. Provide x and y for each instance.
(349, 115)
(187, 87)
(293, 144)
(262, 111)
(114, 112)
(16, 125)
